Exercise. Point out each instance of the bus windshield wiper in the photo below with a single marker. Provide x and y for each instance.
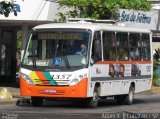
(66, 61)
(65, 58)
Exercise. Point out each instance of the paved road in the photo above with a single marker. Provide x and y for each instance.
(144, 107)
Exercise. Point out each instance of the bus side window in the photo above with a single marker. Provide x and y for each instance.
(135, 46)
(96, 48)
(146, 47)
(109, 45)
(122, 46)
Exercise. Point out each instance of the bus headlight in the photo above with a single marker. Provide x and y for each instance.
(74, 82)
(27, 79)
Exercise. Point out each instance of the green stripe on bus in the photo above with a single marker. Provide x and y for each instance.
(50, 78)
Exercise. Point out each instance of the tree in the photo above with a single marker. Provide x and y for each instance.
(6, 7)
(156, 55)
(19, 40)
(156, 58)
(100, 9)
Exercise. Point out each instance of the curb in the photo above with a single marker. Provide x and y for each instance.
(9, 101)
(155, 90)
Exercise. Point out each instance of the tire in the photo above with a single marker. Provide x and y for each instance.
(129, 97)
(93, 102)
(36, 101)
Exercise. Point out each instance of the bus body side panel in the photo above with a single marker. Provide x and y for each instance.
(98, 73)
(117, 81)
(142, 85)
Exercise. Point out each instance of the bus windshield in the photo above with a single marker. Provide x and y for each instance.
(58, 48)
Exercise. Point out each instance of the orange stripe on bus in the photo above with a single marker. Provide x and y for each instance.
(123, 62)
(42, 77)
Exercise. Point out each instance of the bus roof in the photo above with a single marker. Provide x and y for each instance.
(91, 26)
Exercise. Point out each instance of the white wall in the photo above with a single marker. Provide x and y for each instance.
(34, 10)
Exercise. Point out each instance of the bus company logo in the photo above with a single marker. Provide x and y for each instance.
(98, 71)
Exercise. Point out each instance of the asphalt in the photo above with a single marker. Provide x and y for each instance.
(14, 89)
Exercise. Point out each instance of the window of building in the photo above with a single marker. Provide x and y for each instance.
(155, 39)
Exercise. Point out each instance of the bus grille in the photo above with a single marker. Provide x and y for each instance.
(51, 82)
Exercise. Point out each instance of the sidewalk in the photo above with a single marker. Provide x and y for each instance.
(155, 89)
(11, 88)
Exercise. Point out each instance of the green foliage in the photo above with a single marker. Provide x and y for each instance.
(156, 56)
(6, 7)
(155, 78)
(156, 74)
(19, 40)
(100, 9)
(155, 64)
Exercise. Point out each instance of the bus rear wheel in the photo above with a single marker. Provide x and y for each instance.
(93, 102)
(127, 98)
(36, 101)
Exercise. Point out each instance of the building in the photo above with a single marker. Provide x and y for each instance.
(34, 12)
(143, 19)
(156, 34)
(30, 13)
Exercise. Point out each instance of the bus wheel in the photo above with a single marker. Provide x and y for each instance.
(93, 102)
(129, 97)
(36, 101)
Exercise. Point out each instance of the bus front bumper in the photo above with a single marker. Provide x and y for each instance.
(76, 91)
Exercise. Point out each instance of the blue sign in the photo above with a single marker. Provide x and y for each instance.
(17, 7)
(138, 17)
(57, 61)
